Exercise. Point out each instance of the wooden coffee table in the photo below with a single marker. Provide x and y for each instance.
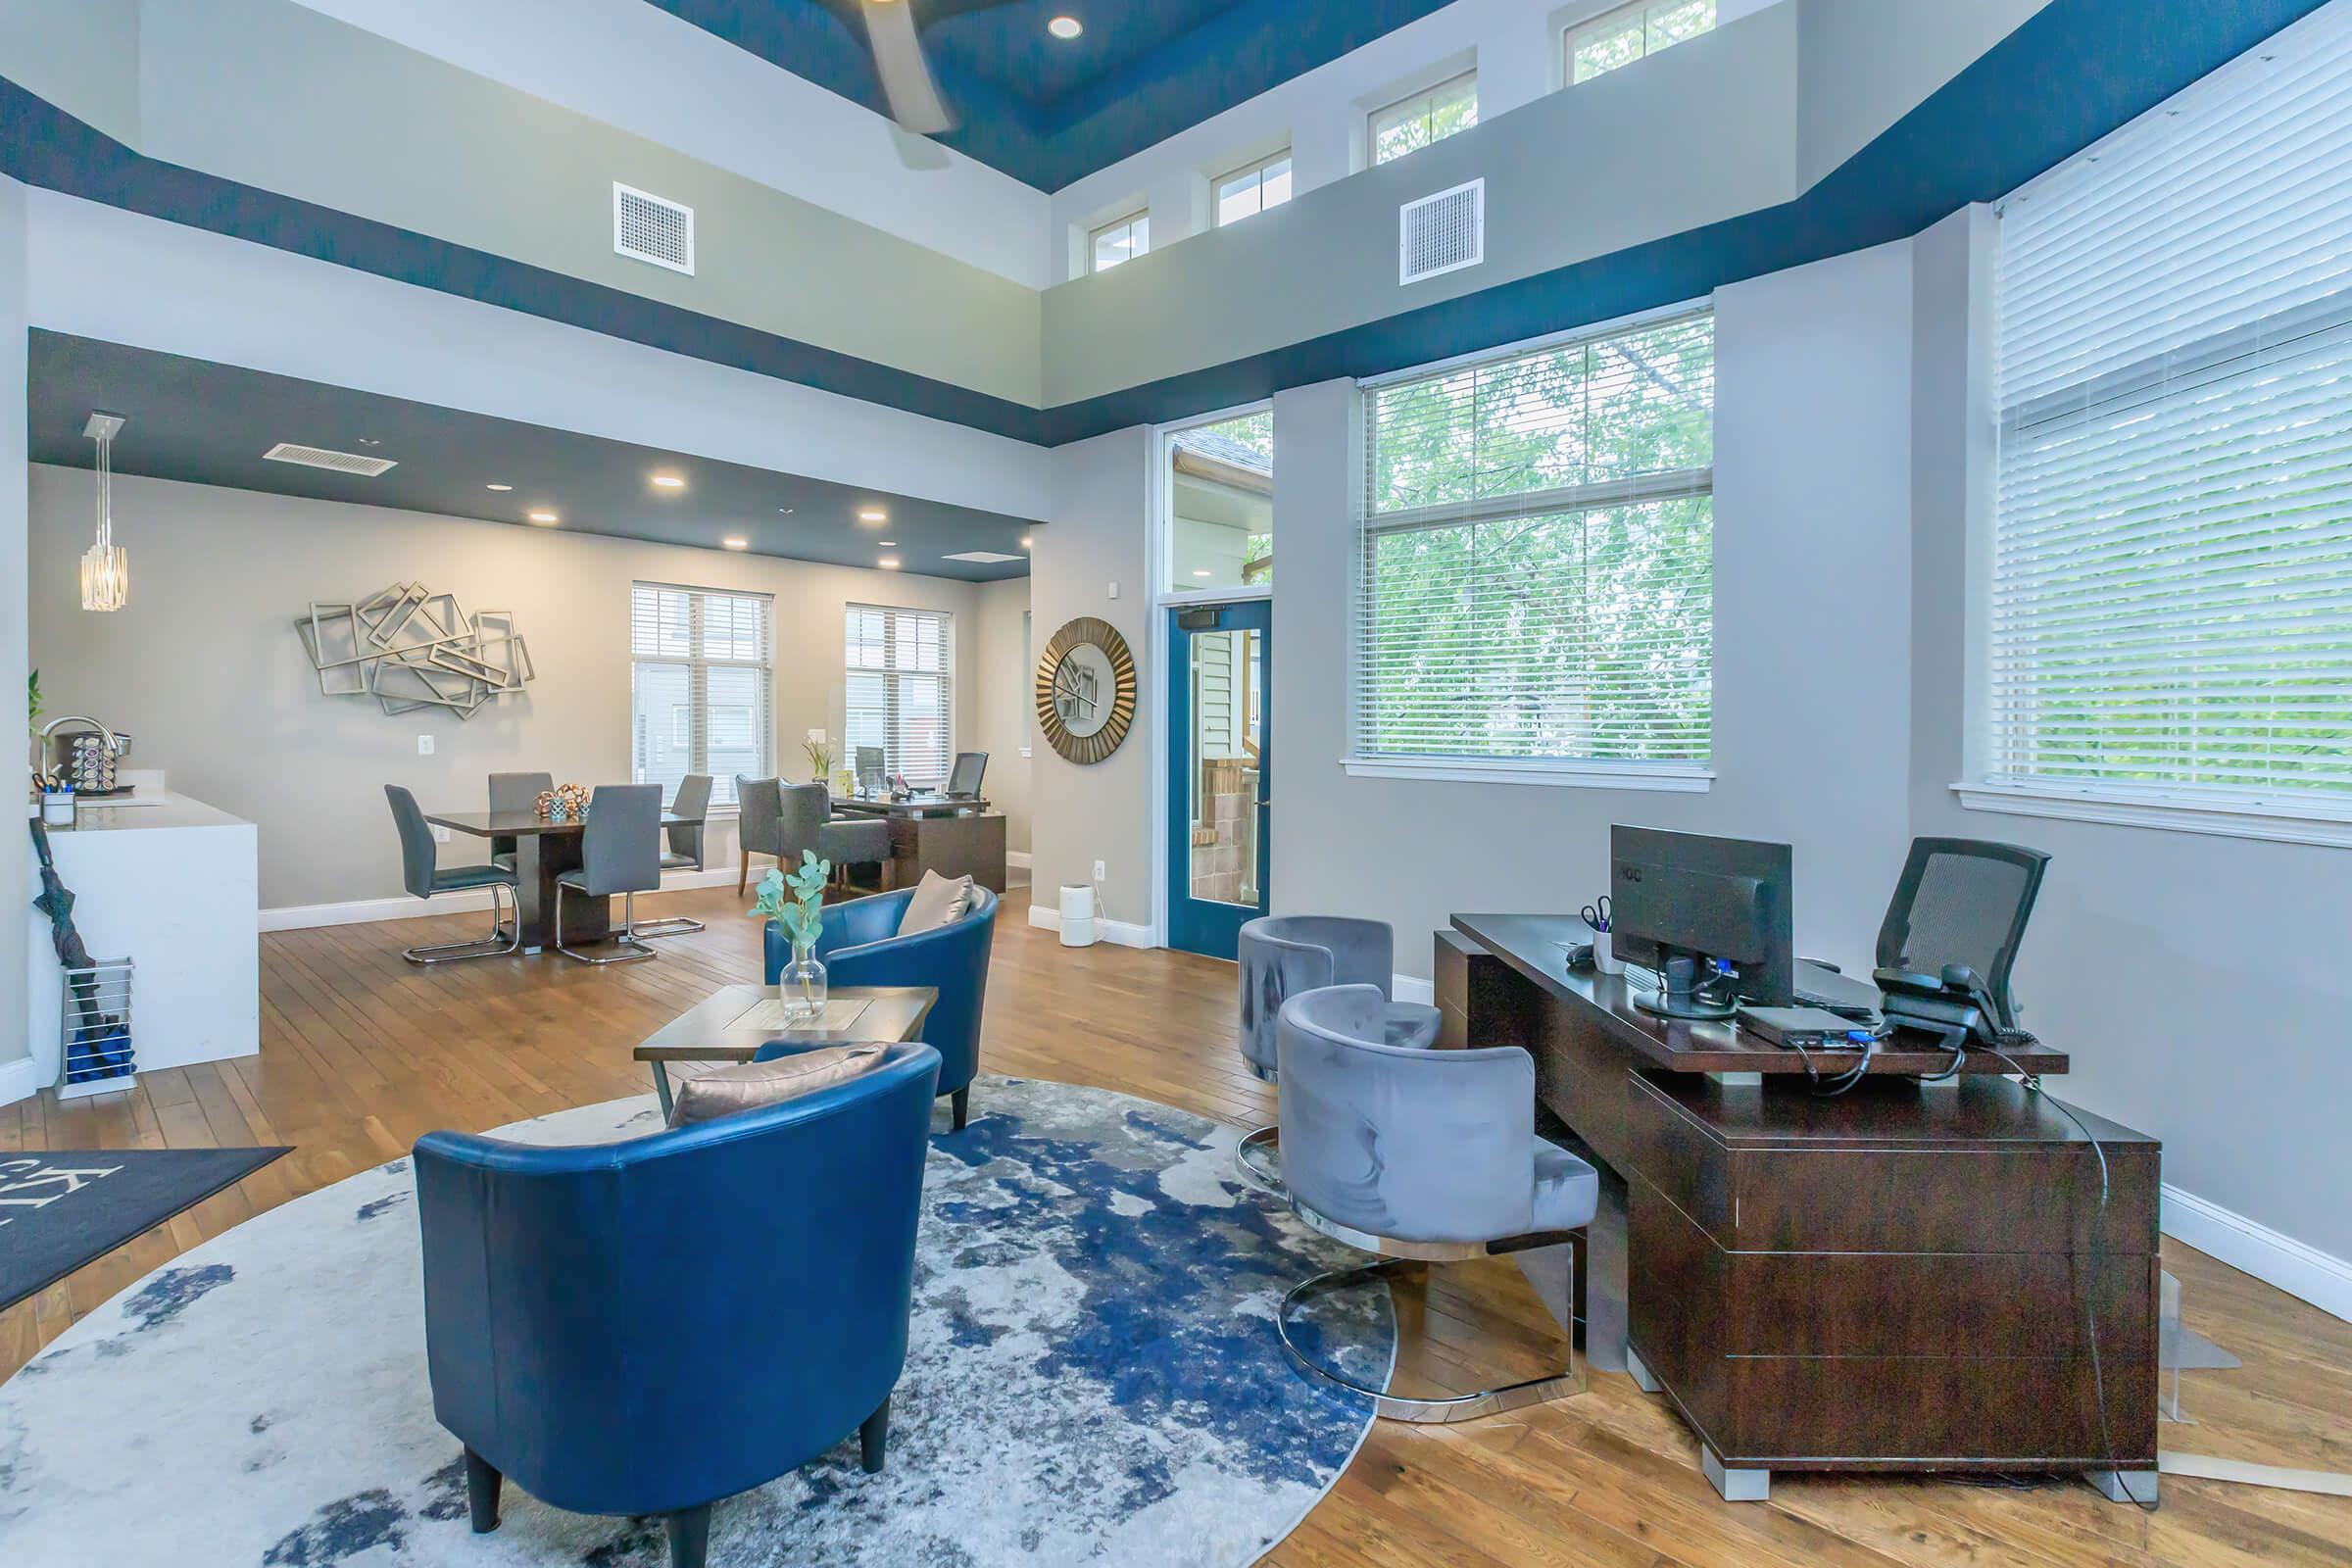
(733, 1022)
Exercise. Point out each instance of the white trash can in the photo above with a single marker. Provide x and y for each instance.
(1078, 915)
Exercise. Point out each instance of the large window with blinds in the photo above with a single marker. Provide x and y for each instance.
(2169, 621)
(901, 690)
(1535, 580)
(701, 687)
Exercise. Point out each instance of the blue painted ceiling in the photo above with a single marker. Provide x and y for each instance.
(1051, 111)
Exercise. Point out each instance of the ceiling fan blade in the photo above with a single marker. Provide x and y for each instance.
(907, 81)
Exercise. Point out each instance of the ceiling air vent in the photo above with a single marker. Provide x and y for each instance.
(981, 557)
(648, 228)
(334, 461)
(1441, 233)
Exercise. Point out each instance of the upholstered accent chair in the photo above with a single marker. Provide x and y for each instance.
(860, 946)
(649, 1328)
(1284, 955)
(1420, 1157)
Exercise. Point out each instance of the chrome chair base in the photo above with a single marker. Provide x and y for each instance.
(676, 925)
(504, 936)
(1402, 1259)
(625, 941)
(1258, 1158)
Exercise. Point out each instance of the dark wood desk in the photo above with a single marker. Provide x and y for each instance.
(1888, 1280)
(935, 833)
(542, 851)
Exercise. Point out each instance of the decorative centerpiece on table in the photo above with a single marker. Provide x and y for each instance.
(565, 803)
(795, 906)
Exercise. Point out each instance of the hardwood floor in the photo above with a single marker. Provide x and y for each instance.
(362, 1051)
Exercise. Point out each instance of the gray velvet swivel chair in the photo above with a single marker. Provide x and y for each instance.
(804, 826)
(620, 852)
(1284, 955)
(683, 851)
(1420, 1157)
(423, 876)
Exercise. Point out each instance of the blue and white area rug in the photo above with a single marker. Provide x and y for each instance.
(1093, 1378)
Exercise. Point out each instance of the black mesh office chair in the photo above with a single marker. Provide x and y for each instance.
(870, 767)
(963, 780)
(1963, 903)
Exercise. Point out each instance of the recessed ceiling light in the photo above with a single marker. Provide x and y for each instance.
(786, 511)
(1201, 573)
(888, 563)
(736, 542)
(498, 487)
(1024, 541)
(545, 516)
(669, 482)
(872, 514)
(1065, 27)
(888, 543)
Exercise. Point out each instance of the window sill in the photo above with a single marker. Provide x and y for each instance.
(1558, 775)
(2284, 824)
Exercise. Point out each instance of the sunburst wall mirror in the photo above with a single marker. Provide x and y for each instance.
(1086, 690)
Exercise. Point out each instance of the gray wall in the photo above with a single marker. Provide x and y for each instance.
(999, 694)
(1812, 563)
(1082, 814)
(203, 669)
(15, 850)
(2200, 981)
(276, 95)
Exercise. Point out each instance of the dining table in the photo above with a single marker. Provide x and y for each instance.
(544, 850)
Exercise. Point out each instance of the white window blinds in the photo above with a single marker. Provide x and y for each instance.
(901, 690)
(701, 687)
(2170, 606)
(1536, 577)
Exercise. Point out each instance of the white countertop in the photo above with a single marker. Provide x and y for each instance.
(147, 809)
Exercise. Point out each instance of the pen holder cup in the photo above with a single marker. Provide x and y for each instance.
(1604, 954)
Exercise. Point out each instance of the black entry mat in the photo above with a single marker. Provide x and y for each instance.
(61, 1209)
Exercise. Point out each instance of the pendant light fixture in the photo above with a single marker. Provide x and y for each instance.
(105, 566)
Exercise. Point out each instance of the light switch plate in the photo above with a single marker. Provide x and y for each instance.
(424, 746)
(440, 834)
(1114, 590)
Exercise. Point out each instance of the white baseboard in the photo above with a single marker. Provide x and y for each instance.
(2253, 1248)
(1411, 987)
(1016, 860)
(1118, 933)
(366, 912)
(19, 1080)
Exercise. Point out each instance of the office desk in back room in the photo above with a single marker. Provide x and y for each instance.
(1886, 1280)
(953, 837)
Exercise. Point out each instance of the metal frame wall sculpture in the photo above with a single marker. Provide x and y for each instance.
(410, 648)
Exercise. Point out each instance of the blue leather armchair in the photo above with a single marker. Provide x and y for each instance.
(860, 947)
(633, 1329)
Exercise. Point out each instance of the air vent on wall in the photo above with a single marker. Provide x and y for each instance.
(981, 557)
(649, 228)
(324, 457)
(1441, 233)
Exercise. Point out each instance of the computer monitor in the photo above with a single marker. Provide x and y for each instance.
(869, 769)
(1681, 902)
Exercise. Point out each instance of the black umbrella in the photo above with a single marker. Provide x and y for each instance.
(101, 1044)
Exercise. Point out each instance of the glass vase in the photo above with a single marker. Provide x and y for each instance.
(801, 987)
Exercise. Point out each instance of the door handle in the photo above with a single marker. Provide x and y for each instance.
(1265, 803)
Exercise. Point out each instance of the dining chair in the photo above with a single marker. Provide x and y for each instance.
(759, 823)
(423, 876)
(683, 851)
(621, 852)
(513, 792)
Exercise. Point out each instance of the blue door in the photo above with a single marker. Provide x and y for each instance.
(1221, 771)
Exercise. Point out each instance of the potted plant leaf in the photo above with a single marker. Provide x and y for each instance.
(794, 908)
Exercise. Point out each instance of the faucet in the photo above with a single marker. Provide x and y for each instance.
(40, 741)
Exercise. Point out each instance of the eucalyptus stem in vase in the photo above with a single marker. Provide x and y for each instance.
(795, 906)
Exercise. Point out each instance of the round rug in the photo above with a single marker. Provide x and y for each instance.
(1092, 1377)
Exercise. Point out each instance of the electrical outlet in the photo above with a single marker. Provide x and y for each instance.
(440, 834)
(1099, 875)
(424, 746)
